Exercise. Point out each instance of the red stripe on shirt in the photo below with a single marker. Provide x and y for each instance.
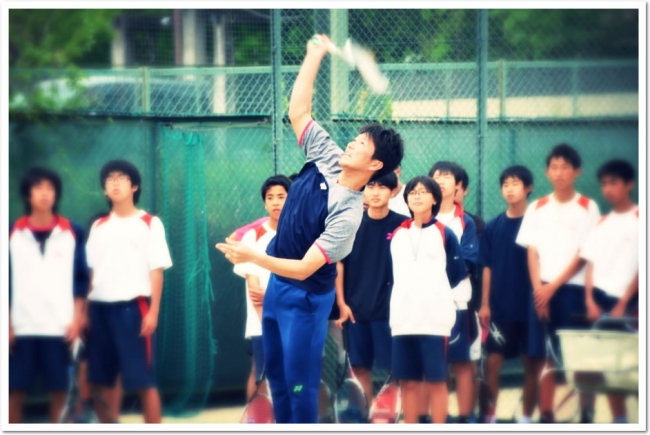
(441, 227)
(460, 212)
(147, 219)
(542, 202)
(144, 309)
(327, 258)
(103, 220)
(584, 202)
(302, 135)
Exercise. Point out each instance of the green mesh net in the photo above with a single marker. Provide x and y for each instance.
(207, 134)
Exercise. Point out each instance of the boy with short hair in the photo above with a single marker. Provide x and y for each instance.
(127, 253)
(612, 254)
(48, 284)
(427, 264)
(274, 193)
(506, 290)
(364, 284)
(463, 348)
(316, 230)
(553, 229)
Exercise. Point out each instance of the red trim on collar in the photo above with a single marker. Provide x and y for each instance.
(542, 202)
(584, 202)
(147, 219)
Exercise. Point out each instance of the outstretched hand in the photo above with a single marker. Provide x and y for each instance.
(319, 44)
(235, 251)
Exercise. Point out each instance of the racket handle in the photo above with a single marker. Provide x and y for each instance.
(330, 47)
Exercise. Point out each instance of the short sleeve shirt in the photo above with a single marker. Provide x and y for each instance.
(122, 252)
(318, 211)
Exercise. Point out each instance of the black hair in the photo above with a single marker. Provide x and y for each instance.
(444, 166)
(567, 152)
(125, 167)
(34, 176)
(428, 184)
(389, 180)
(520, 172)
(617, 169)
(464, 178)
(276, 180)
(293, 176)
(389, 147)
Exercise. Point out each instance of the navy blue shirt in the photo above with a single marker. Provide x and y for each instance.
(368, 270)
(318, 212)
(510, 288)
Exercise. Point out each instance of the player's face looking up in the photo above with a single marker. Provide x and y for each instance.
(447, 183)
(42, 196)
(376, 195)
(420, 199)
(561, 174)
(274, 201)
(117, 187)
(514, 191)
(358, 155)
(615, 190)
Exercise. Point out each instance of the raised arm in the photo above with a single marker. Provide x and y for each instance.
(303, 88)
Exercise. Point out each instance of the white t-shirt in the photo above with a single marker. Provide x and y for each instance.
(122, 252)
(257, 239)
(397, 203)
(558, 230)
(613, 248)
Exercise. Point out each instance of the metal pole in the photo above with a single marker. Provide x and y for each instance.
(276, 75)
(178, 41)
(482, 48)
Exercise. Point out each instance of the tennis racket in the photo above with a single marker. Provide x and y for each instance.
(387, 406)
(362, 60)
(259, 409)
(74, 410)
(351, 404)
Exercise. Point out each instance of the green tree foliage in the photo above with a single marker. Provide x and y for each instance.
(563, 34)
(54, 39)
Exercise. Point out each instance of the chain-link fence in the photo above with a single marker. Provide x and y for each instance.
(198, 99)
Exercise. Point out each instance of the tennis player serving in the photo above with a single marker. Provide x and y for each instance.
(316, 229)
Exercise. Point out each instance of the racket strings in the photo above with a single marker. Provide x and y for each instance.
(258, 411)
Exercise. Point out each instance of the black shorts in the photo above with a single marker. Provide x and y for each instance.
(509, 339)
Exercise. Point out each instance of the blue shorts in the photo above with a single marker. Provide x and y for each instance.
(607, 302)
(460, 340)
(256, 350)
(369, 341)
(420, 357)
(536, 346)
(509, 339)
(115, 345)
(31, 355)
(567, 311)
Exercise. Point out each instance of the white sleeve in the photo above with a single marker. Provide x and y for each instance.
(589, 247)
(90, 247)
(158, 250)
(526, 236)
(243, 269)
(593, 216)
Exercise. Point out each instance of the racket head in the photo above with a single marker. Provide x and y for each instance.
(351, 403)
(326, 413)
(364, 61)
(387, 405)
(258, 411)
